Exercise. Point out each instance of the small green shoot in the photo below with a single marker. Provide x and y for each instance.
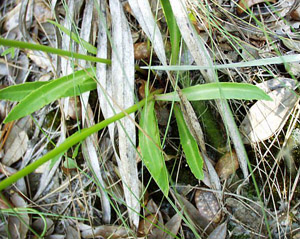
(11, 51)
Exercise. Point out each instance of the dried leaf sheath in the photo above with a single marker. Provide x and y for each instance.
(123, 95)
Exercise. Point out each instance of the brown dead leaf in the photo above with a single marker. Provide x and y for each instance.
(295, 14)
(244, 4)
(141, 51)
(147, 224)
(208, 205)
(74, 111)
(227, 165)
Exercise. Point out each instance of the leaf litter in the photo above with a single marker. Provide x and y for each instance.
(101, 197)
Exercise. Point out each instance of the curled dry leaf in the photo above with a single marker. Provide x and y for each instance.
(244, 4)
(38, 225)
(141, 50)
(208, 205)
(147, 224)
(227, 165)
(113, 232)
(265, 118)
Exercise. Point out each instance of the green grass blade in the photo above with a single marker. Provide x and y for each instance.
(61, 87)
(151, 148)
(189, 145)
(259, 62)
(173, 29)
(89, 47)
(218, 90)
(48, 49)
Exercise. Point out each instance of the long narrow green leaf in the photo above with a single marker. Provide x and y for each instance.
(151, 148)
(48, 93)
(189, 145)
(218, 90)
(89, 47)
(20, 91)
(48, 49)
(173, 29)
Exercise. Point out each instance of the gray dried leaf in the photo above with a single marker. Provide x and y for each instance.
(219, 232)
(123, 95)
(49, 172)
(11, 19)
(91, 155)
(265, 118)
(42, 12)
(277, 83)
(18, 228)
(15, 146)
(72, 233)
(198, 219)
(85, 34)
(113, 232)
(39, 225)
(173, 226)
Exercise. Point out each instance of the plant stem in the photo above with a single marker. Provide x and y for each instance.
(48, 49)
(69, 142)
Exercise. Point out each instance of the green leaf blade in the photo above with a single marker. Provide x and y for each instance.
(20, 91)
(218, 90)
(151, 148)
(189, 145)
(58, 88)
